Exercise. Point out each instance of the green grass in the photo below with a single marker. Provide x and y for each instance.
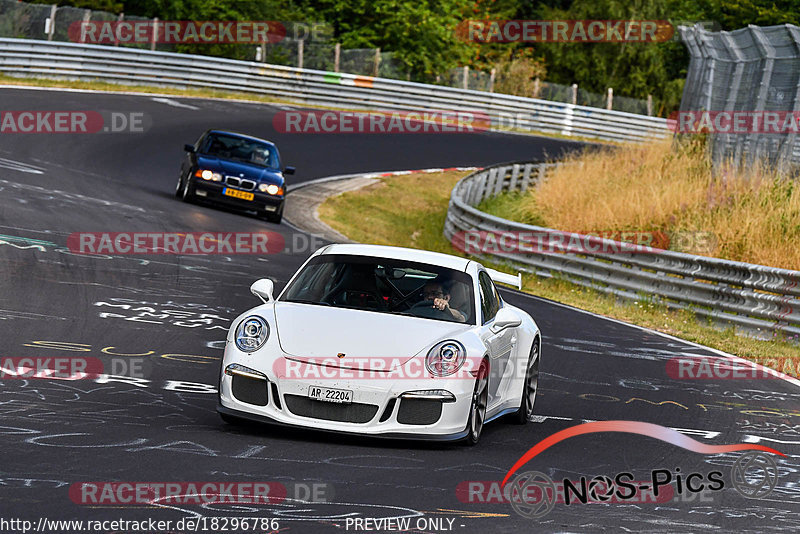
(410, 211)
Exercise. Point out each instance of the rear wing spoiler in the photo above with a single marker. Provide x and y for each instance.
(503, 278)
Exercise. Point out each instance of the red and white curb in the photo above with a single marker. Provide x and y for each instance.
(418, 171)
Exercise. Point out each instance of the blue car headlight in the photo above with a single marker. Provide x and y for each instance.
(208, 175)
(445, 358)
(251, 333)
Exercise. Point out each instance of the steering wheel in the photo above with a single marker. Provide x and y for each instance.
(425, 309)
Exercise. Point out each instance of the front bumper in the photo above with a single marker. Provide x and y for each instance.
(378, 406)
(212, 191)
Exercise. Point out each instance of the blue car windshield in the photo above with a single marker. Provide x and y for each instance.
(245, 150)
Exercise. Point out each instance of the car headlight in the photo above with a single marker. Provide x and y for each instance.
(445, 358)
(272, 189)
(251, 334)
(208, 175)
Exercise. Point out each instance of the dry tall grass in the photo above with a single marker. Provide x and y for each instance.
(669, 187)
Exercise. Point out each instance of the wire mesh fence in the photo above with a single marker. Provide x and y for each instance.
(743, 91)
(23, 21)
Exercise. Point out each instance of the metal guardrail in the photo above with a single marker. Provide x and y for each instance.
(29, 58)
(755, 298)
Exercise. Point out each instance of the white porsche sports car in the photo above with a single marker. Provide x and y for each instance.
(383, 341)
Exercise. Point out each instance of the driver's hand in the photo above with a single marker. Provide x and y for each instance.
(440, 304)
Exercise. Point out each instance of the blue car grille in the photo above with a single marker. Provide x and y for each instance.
(241, 183)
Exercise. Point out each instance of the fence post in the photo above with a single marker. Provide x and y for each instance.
(794, 32)
(536, 86)
(377, 64)
(155, 34)
(119, 19)
(768, 53)
(730, 101)
(465, 78)
(574, 94)
(610, 99)
(649, 105)
(52, 28)
(492, 74)
(300, 54)
(337, 50)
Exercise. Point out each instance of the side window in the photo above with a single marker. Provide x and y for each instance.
(489, 300)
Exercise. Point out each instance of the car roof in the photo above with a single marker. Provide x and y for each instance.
(400, 253)
(241, 136)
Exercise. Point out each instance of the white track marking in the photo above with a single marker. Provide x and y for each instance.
(18, 166)
(174, 103)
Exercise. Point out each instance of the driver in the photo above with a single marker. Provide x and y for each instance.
(260, 155)
(436, 292)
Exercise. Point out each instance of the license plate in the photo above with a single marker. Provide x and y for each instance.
(235, 193)
(343, 396)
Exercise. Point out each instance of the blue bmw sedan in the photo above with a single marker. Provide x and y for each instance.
(236, 170)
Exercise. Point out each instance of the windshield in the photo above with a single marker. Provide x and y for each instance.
(386, 286)
(246, 150)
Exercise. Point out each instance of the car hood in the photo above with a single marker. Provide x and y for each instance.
(228, 167)
(312, 332)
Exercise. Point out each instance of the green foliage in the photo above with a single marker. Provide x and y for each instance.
(421, 32)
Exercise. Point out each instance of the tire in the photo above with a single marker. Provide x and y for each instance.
(276, 216)
(530, 388)
(477, 410)
(179, 187)
(187, 193)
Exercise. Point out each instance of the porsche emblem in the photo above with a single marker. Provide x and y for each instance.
(341, 355)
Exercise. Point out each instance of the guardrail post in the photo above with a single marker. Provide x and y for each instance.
(610, 99)
(526, 178)
(377, 62)
(51, 22)
(574, 94)
(465, 77)
(649, 105)
(491, 80)
(512, 184)
(300, 54)
(337, 50)
(154, 37)
(536, 87)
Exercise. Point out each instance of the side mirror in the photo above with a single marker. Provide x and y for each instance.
(263, 289)
(289, 170)
(505, 318)
(188, 148)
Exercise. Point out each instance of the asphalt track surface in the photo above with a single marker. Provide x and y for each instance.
(55, 433)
